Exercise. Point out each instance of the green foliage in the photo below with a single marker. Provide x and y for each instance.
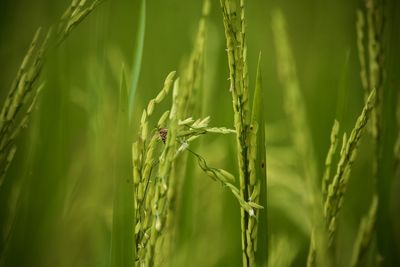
(93, 176)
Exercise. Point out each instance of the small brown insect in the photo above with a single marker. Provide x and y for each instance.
(262, 164)
(163, 134)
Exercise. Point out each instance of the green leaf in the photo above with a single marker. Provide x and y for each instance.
(138, 53)
(257, 117)
(122, 237)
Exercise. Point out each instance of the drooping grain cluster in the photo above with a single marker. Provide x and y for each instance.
(154, 193)
(144, 160)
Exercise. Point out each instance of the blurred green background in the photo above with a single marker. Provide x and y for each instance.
(57, 198)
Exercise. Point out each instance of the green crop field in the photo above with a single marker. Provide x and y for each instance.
(199, 133)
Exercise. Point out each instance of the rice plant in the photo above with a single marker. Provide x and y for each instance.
(198, 133)
(24, 90)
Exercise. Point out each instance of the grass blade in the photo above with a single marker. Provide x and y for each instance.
(257, 118)
(122, 239)
(138, 53)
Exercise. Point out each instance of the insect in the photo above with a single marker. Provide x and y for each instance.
(163, 134)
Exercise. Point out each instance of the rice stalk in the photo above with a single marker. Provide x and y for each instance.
(337, 188)
(24, 91)
(23, 123)
(374, 73)
(20, 96)
(326, 180)
(369, 29)
(234, 23)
